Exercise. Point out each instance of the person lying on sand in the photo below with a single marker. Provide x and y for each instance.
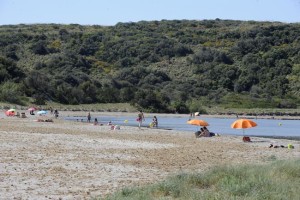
(46, 120)
(276, 146)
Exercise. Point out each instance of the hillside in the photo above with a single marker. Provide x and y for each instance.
(160, 66)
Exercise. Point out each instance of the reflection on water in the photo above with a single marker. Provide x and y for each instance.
(265, 127)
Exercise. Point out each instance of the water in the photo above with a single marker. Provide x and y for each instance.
(265, 127)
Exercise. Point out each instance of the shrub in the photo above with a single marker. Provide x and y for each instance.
(277, 180)
(10, 92)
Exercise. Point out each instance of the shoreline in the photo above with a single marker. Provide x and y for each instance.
(285, 117)
(267, 115)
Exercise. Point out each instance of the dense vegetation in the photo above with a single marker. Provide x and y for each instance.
(161, 66)
(278, 180)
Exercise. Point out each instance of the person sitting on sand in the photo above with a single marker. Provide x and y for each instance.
(154, 122)
(198, 133)
(205, 132)
(96, 121)
(209, 134)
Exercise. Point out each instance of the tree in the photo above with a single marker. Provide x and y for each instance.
(294, 79)
(9, 71)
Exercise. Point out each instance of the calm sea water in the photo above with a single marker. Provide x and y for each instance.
(265, 127)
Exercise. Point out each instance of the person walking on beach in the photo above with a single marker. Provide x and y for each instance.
(140, 118)
(89, 117)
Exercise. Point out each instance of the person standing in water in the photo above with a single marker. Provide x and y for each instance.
(89, 117)
(140, 118)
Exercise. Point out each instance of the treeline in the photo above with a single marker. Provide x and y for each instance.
(161, 66)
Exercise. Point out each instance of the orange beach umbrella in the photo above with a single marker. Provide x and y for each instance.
(197, 122)
(243, 124)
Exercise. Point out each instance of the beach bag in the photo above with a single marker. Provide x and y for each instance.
(246, 139)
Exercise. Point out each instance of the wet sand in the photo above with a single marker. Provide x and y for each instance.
(74, 160)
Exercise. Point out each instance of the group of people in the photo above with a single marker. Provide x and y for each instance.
(204, 132)
(141, 118)
(89, 117)
(53, 112)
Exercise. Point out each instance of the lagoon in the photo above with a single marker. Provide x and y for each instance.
(265, 127)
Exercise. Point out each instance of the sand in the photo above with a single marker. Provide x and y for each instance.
(75, 160)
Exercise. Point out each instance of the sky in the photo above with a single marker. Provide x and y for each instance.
(110, 12)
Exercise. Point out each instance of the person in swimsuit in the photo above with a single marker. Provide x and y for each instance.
(140, 118)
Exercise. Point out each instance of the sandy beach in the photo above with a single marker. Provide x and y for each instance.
(75, 160)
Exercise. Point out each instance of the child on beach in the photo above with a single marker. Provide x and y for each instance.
(154, 122)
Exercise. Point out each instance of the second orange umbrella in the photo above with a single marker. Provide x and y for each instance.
(198, 122)
(243, 123)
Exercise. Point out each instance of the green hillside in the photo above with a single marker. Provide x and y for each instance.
(160, 66)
